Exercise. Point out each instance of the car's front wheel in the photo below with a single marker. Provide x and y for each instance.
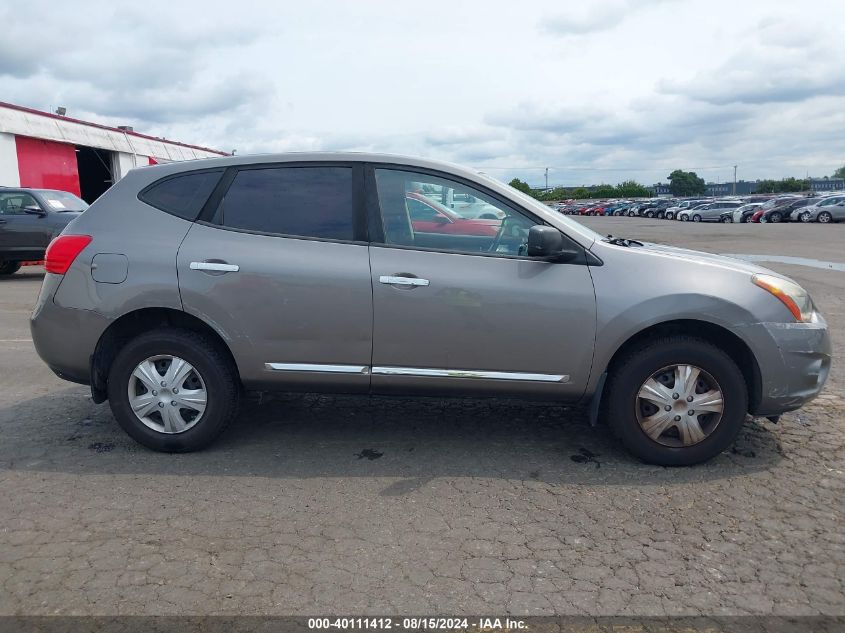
(696, 218)
(676, 401)
(173, 390)
(806, 217)
(9, 268)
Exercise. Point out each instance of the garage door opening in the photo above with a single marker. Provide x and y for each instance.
(95, 172)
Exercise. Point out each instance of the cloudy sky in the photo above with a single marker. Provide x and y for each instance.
(597, 91)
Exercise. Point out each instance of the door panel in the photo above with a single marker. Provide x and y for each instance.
(297, 313)
(482, 324)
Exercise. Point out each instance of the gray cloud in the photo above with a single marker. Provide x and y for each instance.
(594, 17)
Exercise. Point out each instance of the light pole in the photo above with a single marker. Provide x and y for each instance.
(547, 178)
(734, 180)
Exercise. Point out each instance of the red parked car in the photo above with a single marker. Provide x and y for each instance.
(757, 215)
(428, 216)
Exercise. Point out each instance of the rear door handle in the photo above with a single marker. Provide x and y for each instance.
(220, 267)
(394, 280)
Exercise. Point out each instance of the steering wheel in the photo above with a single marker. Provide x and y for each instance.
(497, 241)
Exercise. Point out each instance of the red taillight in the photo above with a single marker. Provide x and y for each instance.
(62, 251)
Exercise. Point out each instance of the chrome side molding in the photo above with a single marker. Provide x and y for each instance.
(416, 371)
(316, 367)
(468, 373)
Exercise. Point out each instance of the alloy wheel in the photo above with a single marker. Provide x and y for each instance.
(824, 217)
(679, 405)
(167, 394)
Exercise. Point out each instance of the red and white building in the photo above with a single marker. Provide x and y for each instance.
(49, 151)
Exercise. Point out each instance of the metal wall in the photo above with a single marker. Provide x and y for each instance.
(47, 164)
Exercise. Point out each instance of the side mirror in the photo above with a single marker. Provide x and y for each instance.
(33, 210)
(546, 242)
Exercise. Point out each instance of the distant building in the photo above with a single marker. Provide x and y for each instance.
(660, 189)
(743, 188)
(827, 184)
(53, 151)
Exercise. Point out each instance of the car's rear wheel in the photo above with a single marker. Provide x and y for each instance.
(824, 217)
(9, 268)
(726, 220)
(676, 401)
(173, 390)
(649, 214)
(670, 215)
(631, 214)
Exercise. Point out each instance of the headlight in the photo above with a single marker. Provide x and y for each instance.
(793, 296)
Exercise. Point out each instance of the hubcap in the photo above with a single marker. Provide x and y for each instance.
(824, 218)
(679, 405)
(167, 394)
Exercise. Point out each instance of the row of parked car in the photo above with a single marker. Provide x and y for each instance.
(824, 208)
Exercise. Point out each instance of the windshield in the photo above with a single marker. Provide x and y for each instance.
(63, 201)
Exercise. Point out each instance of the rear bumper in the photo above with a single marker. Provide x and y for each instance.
(65, 338)
(794, 361)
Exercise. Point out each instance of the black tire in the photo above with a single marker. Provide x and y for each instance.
(670, 215)
(630, 372)
(726, 220)
(9, 268)
(212, 364)
(805, 217)
(649, 214)
(775, 217)
(696, 218)
(824, 217)
(660, 215)
(684, 217)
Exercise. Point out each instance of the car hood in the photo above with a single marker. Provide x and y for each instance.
(700, 257)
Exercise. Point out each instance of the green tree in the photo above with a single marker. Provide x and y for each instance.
(604, 191)
(785, 185)
(793, 184)
(839, 173)
(580, 193)
(766, 186)
(686, 183)
(632, 189)
(522, 186)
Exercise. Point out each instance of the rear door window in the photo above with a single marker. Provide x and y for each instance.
(183, 195)
(315, 202)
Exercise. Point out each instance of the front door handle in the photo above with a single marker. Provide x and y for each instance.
(396, 280)
(220, 267)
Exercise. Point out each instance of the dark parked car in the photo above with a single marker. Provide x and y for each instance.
(783, 211)
(29, 219)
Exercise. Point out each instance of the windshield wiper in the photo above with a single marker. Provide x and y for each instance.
(621, 241)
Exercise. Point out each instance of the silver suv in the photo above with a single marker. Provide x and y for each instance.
(188, 283)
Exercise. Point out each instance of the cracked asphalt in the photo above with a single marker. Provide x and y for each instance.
(354, 505)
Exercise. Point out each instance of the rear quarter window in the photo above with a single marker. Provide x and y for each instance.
(310, 202)
(182, 195)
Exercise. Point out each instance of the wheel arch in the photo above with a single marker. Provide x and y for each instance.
(724, 339)
(137, 322)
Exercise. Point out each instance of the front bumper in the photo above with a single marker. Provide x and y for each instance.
(794, 361)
